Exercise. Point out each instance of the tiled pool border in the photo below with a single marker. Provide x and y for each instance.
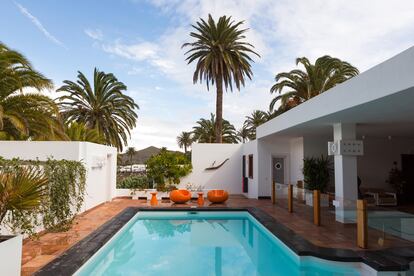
(393, 259)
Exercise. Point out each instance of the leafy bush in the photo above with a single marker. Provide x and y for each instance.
(66, 191)
(140, 182)
(166, 168)
(396, 179)
(317, 172)
(61, 199)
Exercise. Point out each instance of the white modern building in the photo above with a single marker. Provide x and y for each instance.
(374, 111)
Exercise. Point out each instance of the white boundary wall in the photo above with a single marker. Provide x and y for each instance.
(228, 177)
(99, 161)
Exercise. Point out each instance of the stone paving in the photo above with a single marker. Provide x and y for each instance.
(37, 253)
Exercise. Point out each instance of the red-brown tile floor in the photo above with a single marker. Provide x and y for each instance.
(37, 253)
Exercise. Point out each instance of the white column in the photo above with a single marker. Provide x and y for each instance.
(346, 183)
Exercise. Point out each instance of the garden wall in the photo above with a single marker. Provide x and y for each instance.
(227, 177)
(99, 161)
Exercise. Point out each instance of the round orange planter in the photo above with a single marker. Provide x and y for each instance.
(180, 196)
(217, 196)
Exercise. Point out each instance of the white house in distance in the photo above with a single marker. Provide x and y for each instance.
(374, 110)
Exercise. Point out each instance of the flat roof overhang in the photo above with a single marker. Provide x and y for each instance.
(380, 101)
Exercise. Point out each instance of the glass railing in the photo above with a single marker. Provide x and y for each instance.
(386, 225)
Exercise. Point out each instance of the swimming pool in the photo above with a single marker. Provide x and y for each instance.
(203, 243)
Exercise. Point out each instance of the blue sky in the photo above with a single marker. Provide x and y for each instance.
(139, 41)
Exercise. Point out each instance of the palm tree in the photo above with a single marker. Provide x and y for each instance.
(130, 152)
(244, 134)
(184, 140)
(21, 191)
(103, 107)
(316, 79)
(25, 115)
(205, 131)
(79, 132)
(257, 118)
(222, 58)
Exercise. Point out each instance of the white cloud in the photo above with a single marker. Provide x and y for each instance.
(138, 52)
(95, 34)
(135, 71)
(39, 25)
(362, 32)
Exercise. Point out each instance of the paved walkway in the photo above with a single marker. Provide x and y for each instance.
(37, 253)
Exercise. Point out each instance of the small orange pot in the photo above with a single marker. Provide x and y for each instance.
(200, 199)
(154, 200)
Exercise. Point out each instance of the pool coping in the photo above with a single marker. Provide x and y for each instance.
(391, 259)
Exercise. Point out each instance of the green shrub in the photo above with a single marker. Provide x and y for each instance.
(317, 173)
(134, 182)
(166, 169)
(61, 200)
(396, 179)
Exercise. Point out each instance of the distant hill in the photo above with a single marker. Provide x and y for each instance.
(140, 156)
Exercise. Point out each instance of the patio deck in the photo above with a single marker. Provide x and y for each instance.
(37, 253)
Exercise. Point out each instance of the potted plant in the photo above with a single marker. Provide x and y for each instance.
(396, 181)
(317, 174)
(22, 190)
(137, 185)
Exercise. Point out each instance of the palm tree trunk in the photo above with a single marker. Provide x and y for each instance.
(185, 149)
(219, 109)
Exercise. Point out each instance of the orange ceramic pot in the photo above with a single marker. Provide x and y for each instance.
(200, 200)
(154, 200)
(180, 196)
(217, 196)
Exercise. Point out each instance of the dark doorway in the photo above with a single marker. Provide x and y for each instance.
(245, 180)
(407, 167)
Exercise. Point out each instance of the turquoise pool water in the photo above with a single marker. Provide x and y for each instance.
(205, 243)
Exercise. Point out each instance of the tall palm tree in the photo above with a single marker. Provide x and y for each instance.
(254, 120)
(184, 140)
(314, 80)
(103, 107)
(79, 132)
(23, 114)
(130, 152)
(205, 131)
(244, 134)
(222, 58)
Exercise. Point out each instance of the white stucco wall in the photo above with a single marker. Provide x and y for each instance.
(251, 148)
(267, 150)
(296, 159)
(100, 181)
(228, 177)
